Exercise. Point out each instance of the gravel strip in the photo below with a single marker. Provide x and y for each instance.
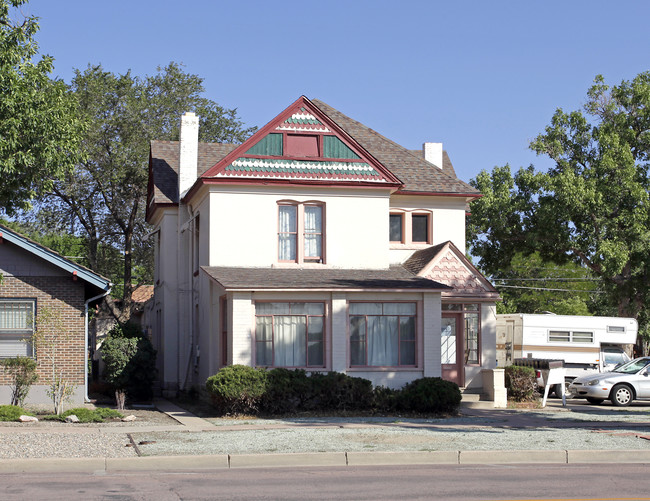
(64, 445)
(290, 440)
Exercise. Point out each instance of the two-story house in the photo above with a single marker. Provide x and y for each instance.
(316, 244)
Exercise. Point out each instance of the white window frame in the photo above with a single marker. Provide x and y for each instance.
(12, 335)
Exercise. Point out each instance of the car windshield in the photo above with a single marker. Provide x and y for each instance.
(633, 367)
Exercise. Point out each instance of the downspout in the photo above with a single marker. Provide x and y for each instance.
(86, 397)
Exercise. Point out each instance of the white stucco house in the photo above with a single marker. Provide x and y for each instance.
(316, 244)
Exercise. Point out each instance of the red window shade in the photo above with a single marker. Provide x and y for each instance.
(302, 146)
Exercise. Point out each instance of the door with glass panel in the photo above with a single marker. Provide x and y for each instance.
(451, 349)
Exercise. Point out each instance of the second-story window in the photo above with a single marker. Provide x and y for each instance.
(300, 232)
(397, 227)
(420, 228)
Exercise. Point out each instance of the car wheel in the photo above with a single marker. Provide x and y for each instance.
(595, 401)
(621, 395)
(558, 389)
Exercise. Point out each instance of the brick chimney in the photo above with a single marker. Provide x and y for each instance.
(433, 153)
(188, 155)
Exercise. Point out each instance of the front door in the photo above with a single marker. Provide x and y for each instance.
(451, 349)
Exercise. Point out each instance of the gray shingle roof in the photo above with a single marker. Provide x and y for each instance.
(414, 171)
(416, 174)
(394, 278)
(165, 158)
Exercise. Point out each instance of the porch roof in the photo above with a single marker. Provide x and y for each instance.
(393, 279)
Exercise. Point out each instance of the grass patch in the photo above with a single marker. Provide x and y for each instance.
(12, 412)
(99, 415)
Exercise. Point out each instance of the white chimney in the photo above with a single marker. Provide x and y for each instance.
(433, 153)
(189, 152)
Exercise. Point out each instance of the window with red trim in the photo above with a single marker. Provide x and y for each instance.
(300, 232)
(396, 227)
(290, 334)
(382, 334)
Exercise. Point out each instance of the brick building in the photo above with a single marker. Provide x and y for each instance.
(44, 300)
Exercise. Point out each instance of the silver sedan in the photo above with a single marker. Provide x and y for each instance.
(624, 384)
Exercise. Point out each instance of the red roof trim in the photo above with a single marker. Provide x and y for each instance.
(280, 118)
(439, 193)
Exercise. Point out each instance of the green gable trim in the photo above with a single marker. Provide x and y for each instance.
(270, 145)
(308, 121)
(333, 147)
(284, 166)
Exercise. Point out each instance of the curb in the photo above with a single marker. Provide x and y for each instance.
(227, 461)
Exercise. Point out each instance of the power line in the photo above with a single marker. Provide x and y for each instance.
(564, 279)
(547, 289)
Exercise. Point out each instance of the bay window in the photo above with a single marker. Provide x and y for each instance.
(382, 334)
(290, 334)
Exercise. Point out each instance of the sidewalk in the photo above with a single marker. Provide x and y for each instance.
(493, 421)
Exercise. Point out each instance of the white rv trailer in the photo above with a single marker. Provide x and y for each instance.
(586, 344)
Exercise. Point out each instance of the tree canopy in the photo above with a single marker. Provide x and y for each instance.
(591, 208)
(39, 127)
(103, 199)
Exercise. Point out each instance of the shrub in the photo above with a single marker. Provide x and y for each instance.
(286, 391)
(22, 373)
(11, 412)
(130, 363)
(85, 415)
(520, 383)
(98, 415)
(335, 391)
(385, 399)
(430, 395)
(237, 389)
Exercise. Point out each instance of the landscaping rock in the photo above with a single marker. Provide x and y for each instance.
(72, 419)
(128, 419)
(28, 419)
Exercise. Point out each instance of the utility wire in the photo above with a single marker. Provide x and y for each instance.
(546, 289)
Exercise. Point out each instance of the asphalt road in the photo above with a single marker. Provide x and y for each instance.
(494, 482)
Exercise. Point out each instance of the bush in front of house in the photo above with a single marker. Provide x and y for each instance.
(430, 395)
(385, 400)
(237, 389)
(98, 415)
(286, 392)
(520, 383)
(130, 363)
(335, 391)
(11, 412)
(22, 375)
(240, 389)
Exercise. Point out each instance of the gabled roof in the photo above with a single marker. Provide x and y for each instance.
(446, 264)
(283, 279)
(416, 174)
(330, 156)
(98, 282)
(368, 158)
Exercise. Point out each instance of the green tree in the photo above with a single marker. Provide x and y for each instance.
(39, 128)
(590, 208)
(530, 285)
(130, 363)
(104, 198)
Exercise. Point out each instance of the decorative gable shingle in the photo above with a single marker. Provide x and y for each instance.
(444, 263)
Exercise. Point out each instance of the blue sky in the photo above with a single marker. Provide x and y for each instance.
(482, 77)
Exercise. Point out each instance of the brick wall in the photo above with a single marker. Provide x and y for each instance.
(65, 297)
